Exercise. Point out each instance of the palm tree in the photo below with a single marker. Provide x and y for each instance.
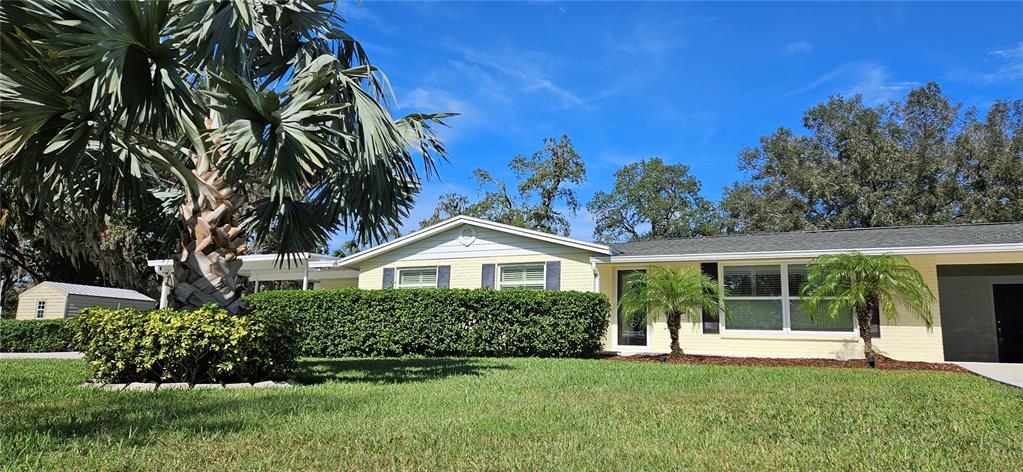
(661, 291)
(865, 284)
(245, 121)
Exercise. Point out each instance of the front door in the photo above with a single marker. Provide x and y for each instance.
(1009, 321)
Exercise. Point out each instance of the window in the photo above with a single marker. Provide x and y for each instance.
(800, 321)
(417, 277)
(766, 298)
(525, 276)
(40, 309)
(632, 334)
(754, 301)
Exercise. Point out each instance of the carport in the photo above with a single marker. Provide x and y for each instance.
(981, 312)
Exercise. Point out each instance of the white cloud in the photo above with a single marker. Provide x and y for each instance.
(798, 47)
(526, 72)
(1008, 67)
(581, 224)
(1012, 64)
(870, 80)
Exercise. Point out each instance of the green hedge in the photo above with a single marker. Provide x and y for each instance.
(204, 345)
(36, 336)
(442, 322)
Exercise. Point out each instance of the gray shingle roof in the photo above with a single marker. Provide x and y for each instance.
(94, 291)
(846, 239)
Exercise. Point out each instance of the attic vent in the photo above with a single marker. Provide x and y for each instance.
(468, 236)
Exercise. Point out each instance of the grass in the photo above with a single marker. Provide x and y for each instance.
(518, 414)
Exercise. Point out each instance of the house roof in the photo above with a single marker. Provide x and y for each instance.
(461, 220)
(95, 291)
(900, 239)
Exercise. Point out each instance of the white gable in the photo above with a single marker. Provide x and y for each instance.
(469, 240)
(464, 236)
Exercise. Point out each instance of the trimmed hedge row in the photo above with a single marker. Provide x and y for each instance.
(36, 336)
(207, 344)
(441, 322)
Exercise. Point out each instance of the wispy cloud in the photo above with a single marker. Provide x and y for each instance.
(1008, 66)
(870, 80)
(1011, 67)
(433, 100)
(360, 12)
(798, 47)
(655, 39)
(525, 70)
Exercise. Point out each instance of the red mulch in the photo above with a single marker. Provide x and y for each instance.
(882, 362)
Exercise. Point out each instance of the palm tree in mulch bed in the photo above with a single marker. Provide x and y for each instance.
(866, 285)
(663, 292)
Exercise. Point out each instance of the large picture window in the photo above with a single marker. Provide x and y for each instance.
(417, 277)
(766, 298)
(522, 276)
(634, 333)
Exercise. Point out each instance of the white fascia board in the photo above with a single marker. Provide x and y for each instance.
(902, 251)
(256, 258)
(458, 220)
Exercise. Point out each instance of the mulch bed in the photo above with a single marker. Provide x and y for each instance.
(884, 363)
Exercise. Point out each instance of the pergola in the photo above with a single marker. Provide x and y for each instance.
(310, 268)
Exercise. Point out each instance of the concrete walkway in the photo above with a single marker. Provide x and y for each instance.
(1009, 374)
(40, 355)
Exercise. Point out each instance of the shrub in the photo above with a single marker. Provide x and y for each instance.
(207, 344)
(36, 336)
(442, 322)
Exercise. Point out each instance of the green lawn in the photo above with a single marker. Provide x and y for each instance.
(518, 414)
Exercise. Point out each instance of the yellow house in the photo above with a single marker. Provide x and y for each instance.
(976, 271)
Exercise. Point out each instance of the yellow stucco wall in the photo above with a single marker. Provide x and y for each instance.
(905, 338)
(338, 283)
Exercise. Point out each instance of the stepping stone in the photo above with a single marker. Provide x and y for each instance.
(141, 386)
(174, 386)
(113, 387)
(90, 384)
(206, 386)
(265, 384)
(238, 385)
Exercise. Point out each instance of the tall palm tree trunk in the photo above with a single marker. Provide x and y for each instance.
(207, 269)
(674, 325)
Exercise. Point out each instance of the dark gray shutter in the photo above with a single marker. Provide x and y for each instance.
(711, 321)
(488, 276)
(444, 276)
(875, 323)
(553, 281)
(388, 278)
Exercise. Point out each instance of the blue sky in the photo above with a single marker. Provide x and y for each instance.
(691, 83)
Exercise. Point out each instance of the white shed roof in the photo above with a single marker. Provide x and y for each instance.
(94, 291)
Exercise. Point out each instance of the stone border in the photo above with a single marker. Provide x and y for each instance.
(154, 386)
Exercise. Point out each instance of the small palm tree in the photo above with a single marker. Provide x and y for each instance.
(865, 284)
(673, 294)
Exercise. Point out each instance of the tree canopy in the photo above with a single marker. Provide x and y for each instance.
(918, 161)
(653, 199)
(545, 180)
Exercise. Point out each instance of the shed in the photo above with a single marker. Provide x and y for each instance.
(53, 300)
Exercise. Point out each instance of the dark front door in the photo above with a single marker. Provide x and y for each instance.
(1009, 321)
